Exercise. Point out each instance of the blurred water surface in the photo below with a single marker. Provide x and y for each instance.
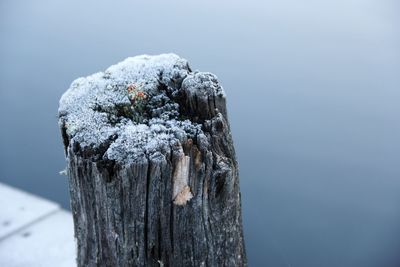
(313, 95)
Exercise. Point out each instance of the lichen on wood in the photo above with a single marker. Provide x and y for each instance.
(152, 170)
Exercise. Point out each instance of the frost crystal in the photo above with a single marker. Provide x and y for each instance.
(133, 107)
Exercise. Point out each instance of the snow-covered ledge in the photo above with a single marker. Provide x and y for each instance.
(34, 231)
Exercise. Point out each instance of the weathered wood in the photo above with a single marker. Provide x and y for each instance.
(152, 169)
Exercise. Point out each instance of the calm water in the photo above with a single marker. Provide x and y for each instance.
(313, 93)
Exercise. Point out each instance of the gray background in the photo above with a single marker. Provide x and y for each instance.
(313, 97)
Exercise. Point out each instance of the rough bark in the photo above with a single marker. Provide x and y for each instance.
(175, 204)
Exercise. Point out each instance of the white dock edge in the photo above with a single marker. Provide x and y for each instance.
(34, 231)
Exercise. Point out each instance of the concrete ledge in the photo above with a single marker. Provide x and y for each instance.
(34, 231)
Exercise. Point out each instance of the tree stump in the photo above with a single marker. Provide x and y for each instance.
(152, 170)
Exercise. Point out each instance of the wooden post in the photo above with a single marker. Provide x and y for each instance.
(152, 170)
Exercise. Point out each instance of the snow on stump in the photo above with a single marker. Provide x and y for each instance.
(152, 170)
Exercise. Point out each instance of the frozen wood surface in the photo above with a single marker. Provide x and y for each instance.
(34, 231)
(152, 170)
